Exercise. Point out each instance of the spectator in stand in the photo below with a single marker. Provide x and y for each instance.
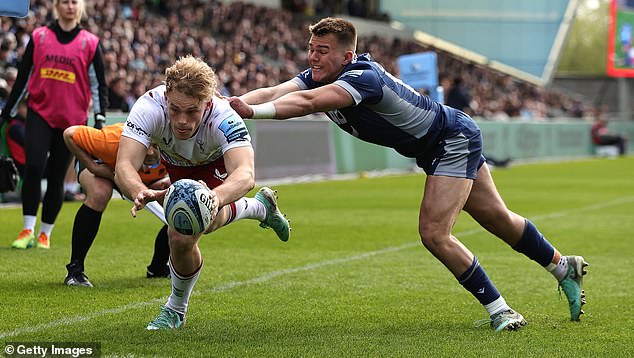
(117, 94)
(602, 136)
(138, 89)
(4, 92)
(10, 75)
(457, 96)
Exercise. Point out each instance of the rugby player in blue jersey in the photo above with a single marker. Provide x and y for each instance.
(371, 104)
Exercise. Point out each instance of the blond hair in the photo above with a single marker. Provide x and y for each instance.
(344, 31)
(80, 13)
(192, 77)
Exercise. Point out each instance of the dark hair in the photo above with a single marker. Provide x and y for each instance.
(344, 31)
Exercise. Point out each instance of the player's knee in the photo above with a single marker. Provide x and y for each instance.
(97, 202)
(430, 235)
(98, 198)
(180, 243)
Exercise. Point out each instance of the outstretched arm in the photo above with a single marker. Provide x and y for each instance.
(296, 104)
(239, 163)
(268, 94)
(129, 160)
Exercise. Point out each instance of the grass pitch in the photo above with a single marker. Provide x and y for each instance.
(352, 281)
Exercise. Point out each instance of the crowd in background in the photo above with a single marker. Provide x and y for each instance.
(251, 46)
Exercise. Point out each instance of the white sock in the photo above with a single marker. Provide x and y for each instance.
(155, 208)
(248, 208)
(496, 306)
(181, 290)
(560, 269)
(71, 187)
(46, 228)
(29, 222)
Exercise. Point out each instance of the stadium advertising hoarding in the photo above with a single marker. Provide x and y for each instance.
(620, 50)
(420, 70)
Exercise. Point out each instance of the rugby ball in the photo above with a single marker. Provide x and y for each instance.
(187, 207)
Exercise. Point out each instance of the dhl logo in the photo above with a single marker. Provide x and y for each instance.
(57, 74)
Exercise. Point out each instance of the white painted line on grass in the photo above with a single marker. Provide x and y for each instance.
(274, 274)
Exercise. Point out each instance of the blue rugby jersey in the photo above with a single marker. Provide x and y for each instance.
(387, 111)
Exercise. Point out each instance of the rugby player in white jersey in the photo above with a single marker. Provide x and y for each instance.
(371, 104)
(200, 137)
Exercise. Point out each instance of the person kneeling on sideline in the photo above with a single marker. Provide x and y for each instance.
(96, 152)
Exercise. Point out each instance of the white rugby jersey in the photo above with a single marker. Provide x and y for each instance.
(221, 129)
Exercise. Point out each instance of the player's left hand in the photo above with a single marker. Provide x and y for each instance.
(215, 203)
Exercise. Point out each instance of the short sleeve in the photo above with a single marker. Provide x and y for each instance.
(362, 84)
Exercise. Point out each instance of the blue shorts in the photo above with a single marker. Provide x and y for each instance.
(459, 151)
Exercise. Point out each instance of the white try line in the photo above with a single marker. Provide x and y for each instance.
(274, 274)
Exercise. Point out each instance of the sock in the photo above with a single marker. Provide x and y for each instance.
(157, 209)
(560, 269)
(247, 208)
(181, 289)
(46, 228)
(161, 250)
(85, 230)
(496, 306)
(29, 222)
(535, 246)
(476, 281)
(70, 187)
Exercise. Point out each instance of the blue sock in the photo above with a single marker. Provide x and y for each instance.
(476, 281)
(535, 246)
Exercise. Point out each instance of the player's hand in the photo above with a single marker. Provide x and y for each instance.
(144, 197)
(241, 107)
(215, 203)
(100, 121)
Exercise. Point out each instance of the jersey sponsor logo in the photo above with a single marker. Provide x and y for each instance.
(57, 74)
(219, 175)
(136, 129)
(234, 130)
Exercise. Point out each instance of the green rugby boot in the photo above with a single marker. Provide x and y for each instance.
(274, 218)
(507, 320)
(167, 319)
(572, 286)
(25, 240)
